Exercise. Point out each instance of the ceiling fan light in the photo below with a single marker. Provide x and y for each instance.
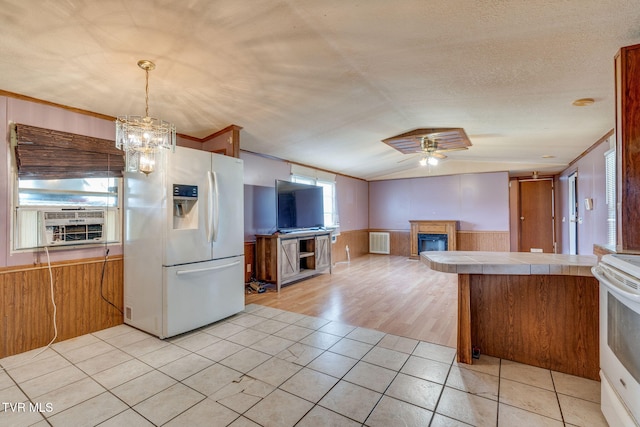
(433, 161)
(423, 161)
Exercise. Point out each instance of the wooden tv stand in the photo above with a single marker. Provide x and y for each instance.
(283, 258)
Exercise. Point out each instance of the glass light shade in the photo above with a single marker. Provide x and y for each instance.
(141, 138)
(428, 160)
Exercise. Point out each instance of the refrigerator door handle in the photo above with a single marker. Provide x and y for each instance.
(216, 207)
(213, 214)
(200, 270)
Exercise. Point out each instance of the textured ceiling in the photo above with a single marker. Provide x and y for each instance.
(323, 82)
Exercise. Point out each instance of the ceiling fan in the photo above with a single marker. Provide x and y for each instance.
(430, 143)
(431, 155)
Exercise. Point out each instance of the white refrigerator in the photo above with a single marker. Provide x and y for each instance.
(183, 242)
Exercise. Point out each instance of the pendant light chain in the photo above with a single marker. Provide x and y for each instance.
(146, 90)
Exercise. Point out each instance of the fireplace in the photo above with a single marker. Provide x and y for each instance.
(432, 235)
(432, 242)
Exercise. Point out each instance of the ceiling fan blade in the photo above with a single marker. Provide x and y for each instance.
(446, 150)
(408, 158)
(407, 147)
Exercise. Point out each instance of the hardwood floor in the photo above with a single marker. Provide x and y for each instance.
(392, 294)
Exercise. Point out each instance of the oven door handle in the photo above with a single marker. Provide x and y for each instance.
(611, 284)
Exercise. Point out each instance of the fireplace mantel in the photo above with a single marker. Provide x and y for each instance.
(432, 227)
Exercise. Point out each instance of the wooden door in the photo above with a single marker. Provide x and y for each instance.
(536, 216)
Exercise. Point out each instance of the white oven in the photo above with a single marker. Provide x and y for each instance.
(619, 277)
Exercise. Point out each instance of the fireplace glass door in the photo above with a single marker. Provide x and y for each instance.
(432, 242)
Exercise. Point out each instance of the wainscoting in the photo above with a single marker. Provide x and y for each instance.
(493, 241)
(358, 242)
(26, 311)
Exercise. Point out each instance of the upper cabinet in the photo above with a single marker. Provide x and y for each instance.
(627, 75)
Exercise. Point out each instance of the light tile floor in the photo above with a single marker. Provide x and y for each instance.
(269, 367)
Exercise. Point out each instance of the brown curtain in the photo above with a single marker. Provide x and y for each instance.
(50, 154)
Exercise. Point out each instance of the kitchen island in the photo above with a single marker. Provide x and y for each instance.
(534, 308)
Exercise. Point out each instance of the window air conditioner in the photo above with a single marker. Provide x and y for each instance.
(72, 226)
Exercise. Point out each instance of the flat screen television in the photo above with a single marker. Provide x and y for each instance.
(298, 206)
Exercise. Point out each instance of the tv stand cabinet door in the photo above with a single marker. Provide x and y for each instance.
(323, 252)
(289, 258)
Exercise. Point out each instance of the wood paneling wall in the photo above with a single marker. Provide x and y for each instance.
(249, 261)
(399, 241)
(492, 241)
(357, 240)
(26, 311)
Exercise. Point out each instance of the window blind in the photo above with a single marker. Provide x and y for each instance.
(610, 194)
(50, 154)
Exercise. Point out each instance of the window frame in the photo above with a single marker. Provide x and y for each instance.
(112, 225)
(331, 213)
(112, 228)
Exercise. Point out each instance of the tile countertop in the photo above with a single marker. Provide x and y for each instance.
(519, 263)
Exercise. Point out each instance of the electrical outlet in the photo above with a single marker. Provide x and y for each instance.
(248, 268)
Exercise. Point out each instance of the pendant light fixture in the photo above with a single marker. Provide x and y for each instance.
(141, 137)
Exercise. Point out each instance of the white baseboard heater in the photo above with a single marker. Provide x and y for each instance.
(379, 242)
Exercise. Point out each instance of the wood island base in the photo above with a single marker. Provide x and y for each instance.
(534, 308)
(541, 320)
